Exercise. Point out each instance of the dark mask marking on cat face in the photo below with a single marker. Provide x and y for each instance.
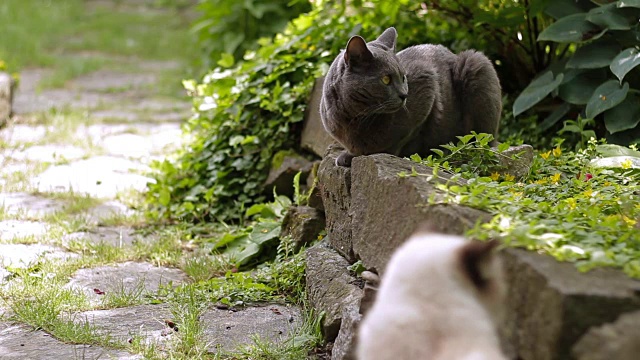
(475, 259)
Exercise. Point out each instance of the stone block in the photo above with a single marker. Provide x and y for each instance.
(619, 340)
(334, 183)
(284, 168)
(330, 287)
(551, 304)
(344, 347)
(520, 166)
(303, 224)
(6, 97)
(314, 137)
(386, 209)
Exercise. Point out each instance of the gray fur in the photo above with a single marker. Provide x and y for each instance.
(447, 95)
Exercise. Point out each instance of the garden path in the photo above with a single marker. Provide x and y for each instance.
(80, 278)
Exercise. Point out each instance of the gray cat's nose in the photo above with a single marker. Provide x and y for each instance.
(403, 97)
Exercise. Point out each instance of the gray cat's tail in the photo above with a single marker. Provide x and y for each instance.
(476, 82)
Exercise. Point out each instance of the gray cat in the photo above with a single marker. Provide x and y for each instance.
(377, 101)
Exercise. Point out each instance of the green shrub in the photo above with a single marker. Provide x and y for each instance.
(232, 27)
(599, 82)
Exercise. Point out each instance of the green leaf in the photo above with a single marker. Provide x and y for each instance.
(624, 116)
(226, 60)
(536, 91)
(572, 28)
(629, 3)
(611, 150)
(605, 97)
(164, 197)
(554, 117)
(579, 90)
(230, 238)
(562, 8)
(610, 17)
(265, 211)
(624, 62)
(595, 55)
(265, 231)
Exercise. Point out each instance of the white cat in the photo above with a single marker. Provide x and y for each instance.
(439, 299)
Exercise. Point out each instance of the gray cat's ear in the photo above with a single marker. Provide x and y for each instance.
(477, 260)
(357, 51)
(388, 38)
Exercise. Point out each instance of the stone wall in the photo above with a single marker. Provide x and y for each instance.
(553, 311)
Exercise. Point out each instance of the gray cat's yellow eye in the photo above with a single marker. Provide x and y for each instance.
(386, 79)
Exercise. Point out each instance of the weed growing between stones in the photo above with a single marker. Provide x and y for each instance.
(576, 206)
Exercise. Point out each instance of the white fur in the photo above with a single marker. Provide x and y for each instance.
(426, 309)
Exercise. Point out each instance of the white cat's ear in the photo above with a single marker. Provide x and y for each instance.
(357, 51)
(388, 38)
(477, 260)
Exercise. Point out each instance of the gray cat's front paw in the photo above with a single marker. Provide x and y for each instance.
(344, 159)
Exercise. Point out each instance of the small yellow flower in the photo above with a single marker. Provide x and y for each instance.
(571, 202)
(626, 164)
(3, 65)
(312, 48)
(509, 177)
(587, 193)
(545, 155)
(555, 178)
(557, 151)
(607, 183)
(541, 182)
(628, 220)
(495, 176)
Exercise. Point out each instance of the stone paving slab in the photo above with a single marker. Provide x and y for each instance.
(50, 153)
(101, 177)
(23, 256)
(28, 204)
(226, 330)
(128, 277)
(108, 210)
(12, 229)
(147, 321)
(18, 133)
(19, 342)
(114, 236)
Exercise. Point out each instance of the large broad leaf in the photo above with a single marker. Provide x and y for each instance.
(578, 91)
(536, 91)
(572, 28)
(610, 150)
(610, 17)
(605, 97)
(598, 54)
(623, 116)
(624, 62)
(629, 3)
(265, 231)
(554, 117)
(558, 9)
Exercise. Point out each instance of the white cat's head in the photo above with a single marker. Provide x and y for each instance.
(447, 270)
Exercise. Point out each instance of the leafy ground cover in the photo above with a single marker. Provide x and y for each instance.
(576, 206)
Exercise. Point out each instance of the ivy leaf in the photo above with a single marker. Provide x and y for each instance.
(605, 97)
(595, 55)
(536, 91)
(609, 17)
(624, 62)
(226, 60)
(624, 116)
(572, 28)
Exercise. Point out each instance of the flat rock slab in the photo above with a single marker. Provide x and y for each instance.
(113, 236)
(146, 321)
(108, 210)
(21, 343)
(50, 153)
(225, 330)
(102, 177)
(12, 229)
(23, 256)
(129, 277)
(17, 133)
(30, 205)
